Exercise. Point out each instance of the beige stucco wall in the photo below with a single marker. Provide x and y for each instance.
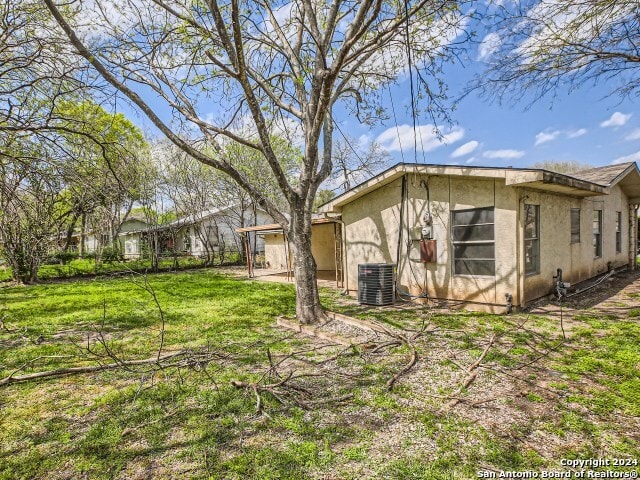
(371, 234)
(275, 251)
(576, 260)
(322, 248)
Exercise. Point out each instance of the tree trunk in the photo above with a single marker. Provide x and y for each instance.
(155, 251)
(308, 308)
(83, 236)
(69, 234)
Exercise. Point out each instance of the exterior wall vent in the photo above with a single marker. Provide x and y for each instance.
(376, 283)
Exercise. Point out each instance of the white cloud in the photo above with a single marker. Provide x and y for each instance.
(550, 135)
(465, 149)
(364, 140)
(616, 120)
(505, 154)
(489, 45)
(544, 137)
(634, 157)
(635, 135)
(576, 133)
(402, 138)
(471, 160)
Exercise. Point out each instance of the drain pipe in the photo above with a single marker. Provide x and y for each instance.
(509, 299)
(561, 287)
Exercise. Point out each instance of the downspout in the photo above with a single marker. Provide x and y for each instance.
(403, 194)
(519, 251)
(633, 236)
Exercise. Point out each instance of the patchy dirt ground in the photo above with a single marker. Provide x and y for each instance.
(483, 379)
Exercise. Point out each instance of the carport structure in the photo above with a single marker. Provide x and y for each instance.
(326, 248)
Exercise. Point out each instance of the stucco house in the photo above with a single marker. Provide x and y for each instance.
(488, 236)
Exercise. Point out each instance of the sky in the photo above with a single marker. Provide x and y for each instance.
(587, 125)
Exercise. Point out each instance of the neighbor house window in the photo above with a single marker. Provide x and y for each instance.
(597, 233)
(531, 239)
(618, 232)
(473, 237)
(575, 225)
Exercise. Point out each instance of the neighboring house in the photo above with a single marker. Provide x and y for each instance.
(199, 234)
(129, 237)
(217, 227)
(488, 236)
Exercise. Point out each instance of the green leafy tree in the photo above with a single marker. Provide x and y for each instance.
(105, 156)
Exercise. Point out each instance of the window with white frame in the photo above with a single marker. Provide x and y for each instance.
(531, 239)
(597, 233)
(473, 239)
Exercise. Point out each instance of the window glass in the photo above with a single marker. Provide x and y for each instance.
(473, 237)
(575, 225)
(531, 239)
(597, 233)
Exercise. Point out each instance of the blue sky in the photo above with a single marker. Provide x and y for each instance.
(586, 125)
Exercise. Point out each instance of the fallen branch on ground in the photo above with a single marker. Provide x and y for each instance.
(400, 339)
(190, 359)
(282, 392)
(472, 373)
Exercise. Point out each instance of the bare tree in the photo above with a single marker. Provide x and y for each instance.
(267, 67)
(354, 161)
(539, 45)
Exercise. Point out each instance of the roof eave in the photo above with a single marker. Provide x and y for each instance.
(555, 182)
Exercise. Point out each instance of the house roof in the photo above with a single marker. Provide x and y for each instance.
(199, 216)
(604, 175)
(277, 228)
(593, 182)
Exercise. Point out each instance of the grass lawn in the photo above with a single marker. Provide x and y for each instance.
(80, 267)
(536, 399)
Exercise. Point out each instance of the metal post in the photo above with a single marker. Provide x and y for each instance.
(633, 236)
(247, 249)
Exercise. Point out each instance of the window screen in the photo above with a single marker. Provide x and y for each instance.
(531, 239)
(597, 233)
(575, 225)
(618, 232)
(473, 240)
